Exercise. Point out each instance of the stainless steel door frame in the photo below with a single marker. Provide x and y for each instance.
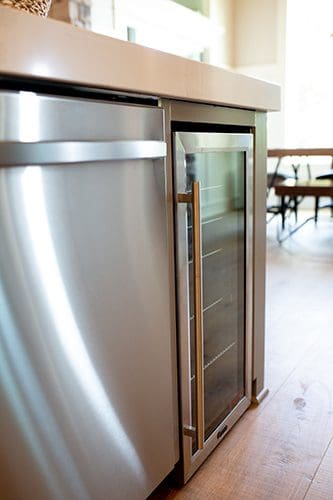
(206, 142)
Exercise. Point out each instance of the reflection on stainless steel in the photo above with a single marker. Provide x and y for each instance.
(87, 385)
(28, 117)
(31, 153)
(30, 408)
(64, 321)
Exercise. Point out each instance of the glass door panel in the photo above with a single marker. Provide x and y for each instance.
(222, 197)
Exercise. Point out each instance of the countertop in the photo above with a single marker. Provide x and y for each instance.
(33, 47)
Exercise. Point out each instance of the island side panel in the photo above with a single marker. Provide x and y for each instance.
(259, 390)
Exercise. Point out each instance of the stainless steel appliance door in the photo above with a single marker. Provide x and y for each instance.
(87, 382)
(214, 274)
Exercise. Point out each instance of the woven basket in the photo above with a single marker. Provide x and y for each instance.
(39, 7)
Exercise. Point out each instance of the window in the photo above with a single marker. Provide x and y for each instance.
(309, 73)
(176, 27)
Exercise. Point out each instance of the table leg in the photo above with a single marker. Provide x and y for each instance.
(316, 209)
(295, 201)
(283, 211)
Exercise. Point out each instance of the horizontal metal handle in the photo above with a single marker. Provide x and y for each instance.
(50, 152)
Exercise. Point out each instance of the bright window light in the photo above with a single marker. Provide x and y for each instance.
(159, 24)
(309, 73)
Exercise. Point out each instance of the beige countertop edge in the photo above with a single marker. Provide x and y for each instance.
(46, 49)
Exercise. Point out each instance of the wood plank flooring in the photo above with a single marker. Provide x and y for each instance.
(283, 449)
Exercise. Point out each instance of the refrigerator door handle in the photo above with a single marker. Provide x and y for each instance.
(62, 152)
(194, 199)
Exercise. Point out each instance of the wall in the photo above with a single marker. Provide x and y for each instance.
(259, 50)
(255, 32)
(222, 13)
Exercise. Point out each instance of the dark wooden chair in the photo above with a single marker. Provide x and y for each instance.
(327, 175)
(273, 179)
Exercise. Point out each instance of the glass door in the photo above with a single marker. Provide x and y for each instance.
(213, 177)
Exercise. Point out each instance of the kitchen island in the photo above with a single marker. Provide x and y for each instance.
(66, 106)
(51, 50)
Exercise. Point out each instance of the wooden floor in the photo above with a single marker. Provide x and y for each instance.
(283, 449)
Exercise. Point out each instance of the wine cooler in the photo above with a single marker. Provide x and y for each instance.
(213, 200)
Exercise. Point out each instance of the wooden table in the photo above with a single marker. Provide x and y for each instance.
(293, 188)
(281, 153)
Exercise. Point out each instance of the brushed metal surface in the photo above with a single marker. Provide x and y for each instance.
(191, 143)
(29, 117)
(86, 382)
(194, 199)
(35, 153)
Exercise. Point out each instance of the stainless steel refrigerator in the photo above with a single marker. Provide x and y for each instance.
(87, 387)
(213, 215)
